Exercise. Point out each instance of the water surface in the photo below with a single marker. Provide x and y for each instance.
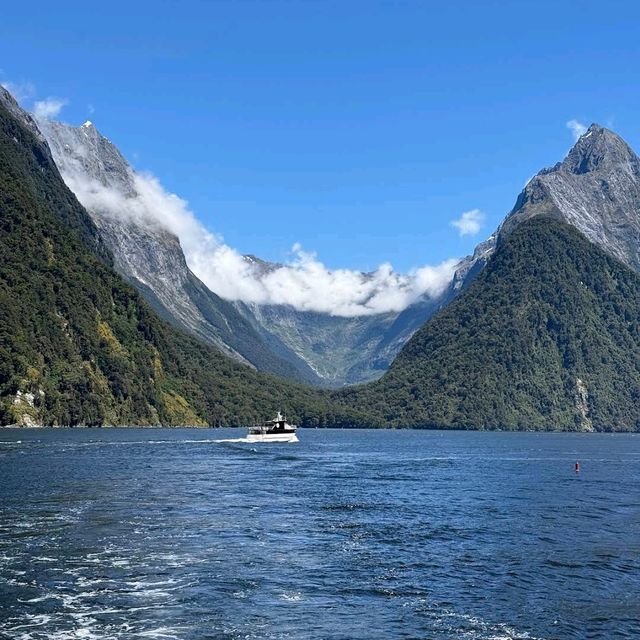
(148, 533)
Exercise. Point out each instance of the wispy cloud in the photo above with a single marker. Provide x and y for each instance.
(25, 92)
(21, 91)
(49, 108)
(305, 282)
(469, 223)
(577, 128)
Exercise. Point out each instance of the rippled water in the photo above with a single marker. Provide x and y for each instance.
(148, 533)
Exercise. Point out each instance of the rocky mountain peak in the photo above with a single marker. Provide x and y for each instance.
(596, 189)
(600, 149)
(7, 100)
(84, 151)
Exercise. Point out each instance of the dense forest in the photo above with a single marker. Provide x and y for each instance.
(547, 337)
(80, 346)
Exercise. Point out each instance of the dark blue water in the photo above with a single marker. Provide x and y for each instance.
(348, 534)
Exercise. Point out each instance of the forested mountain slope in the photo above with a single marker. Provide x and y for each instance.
(547, 337)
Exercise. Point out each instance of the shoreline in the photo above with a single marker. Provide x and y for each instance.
(15, 427)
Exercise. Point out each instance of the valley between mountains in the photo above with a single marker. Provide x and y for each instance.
(102, 322)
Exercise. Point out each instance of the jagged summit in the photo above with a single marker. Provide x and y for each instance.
(84, 151)
(596, 189)
(6, 98)
(600, 149)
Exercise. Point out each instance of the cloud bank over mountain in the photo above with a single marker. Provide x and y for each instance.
(304, 282)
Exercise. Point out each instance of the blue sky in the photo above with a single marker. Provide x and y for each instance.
(359, 129)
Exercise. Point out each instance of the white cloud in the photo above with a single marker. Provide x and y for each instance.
(26, 92)
(49, 108)
(577, 128)
(304, 283)
(307, 284)
(469, 223)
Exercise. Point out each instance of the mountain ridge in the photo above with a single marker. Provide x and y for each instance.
(596, 189)
(541, 329)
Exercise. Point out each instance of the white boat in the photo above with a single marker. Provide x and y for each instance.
(278, 430)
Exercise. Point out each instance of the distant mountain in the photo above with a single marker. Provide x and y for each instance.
(150, 257)
(540, 328)
(596, 189)
(339, 350)
(78, 345)
(547, 337)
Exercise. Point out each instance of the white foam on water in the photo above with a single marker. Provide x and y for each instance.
(6, 558)
(154, 589)
(37, 620)
(120, 562)
(88, 582)
(480, 629)
(148, 584)
(125, 443)
(70, 600)
(169, 633)
(295, 596)
(42, 598)
(174, 560)
(108, 612)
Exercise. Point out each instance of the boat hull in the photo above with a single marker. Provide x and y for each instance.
(272, 437)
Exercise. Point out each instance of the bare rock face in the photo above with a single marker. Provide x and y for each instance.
(596, 189)
(148, 255)
(340, 350)
(582, 405)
